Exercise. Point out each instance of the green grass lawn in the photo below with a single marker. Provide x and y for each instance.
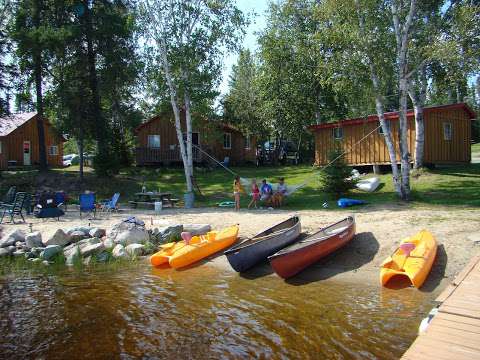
(476, 149)
(451, 186)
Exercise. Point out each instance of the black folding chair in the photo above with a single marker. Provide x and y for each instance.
(9, 196)
(14, 209)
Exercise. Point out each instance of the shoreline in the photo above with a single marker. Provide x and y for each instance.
(379, 231)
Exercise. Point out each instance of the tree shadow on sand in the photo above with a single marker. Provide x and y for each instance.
(358, 252)
(434, 278)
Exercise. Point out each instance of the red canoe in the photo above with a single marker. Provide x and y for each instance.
(294, 258)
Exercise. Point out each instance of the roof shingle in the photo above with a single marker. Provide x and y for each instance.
(12, 122)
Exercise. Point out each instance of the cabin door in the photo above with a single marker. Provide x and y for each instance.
(27, 152)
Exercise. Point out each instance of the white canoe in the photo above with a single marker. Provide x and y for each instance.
(368, 185)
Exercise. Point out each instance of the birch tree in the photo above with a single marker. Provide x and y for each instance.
(188, 39)
(366, 44)
(402, 33)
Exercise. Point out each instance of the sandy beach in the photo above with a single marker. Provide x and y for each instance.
(379, 231)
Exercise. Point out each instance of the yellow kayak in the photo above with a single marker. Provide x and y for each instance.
(179, 254)
(413, 259)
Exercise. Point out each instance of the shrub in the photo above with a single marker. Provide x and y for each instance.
(335, 178)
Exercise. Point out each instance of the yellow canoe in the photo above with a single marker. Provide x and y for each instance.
(413, 259)
(179, 254)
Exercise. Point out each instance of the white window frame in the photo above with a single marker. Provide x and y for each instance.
(248, 144)
(449, 133)
(149, 142)
(53, 150)
(228, 136)
(339, 135)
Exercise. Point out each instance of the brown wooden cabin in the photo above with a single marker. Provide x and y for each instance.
(19, 141)
(158, 144)
(447, 137)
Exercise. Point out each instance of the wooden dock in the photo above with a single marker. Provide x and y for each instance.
(454, 333)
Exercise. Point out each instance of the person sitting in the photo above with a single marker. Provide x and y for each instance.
(266, 192)
(280, 193)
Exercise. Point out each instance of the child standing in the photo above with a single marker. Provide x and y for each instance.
(255, 194)
(237, 189)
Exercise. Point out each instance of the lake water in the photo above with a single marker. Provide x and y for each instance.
(202, 313)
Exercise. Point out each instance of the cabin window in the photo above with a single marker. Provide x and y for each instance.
(247, 142)
(338, 133)
(53, 150)
(154, 141)
(380, 129)
(227, 140)
(447, 131)
(195, 138)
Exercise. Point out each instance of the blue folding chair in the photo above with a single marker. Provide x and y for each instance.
(87, 204)
(111, 205)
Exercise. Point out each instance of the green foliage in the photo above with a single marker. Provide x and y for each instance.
(335, 177)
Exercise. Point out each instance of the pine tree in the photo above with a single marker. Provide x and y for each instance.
(335, 178)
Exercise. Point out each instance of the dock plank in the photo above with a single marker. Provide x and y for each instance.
(454, 333)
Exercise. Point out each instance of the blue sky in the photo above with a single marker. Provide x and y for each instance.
(250, 41)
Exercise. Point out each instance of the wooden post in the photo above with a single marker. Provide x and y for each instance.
(376, 169)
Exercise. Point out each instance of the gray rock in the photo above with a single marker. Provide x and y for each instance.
(134, 249)
(37, 250)
(45, 262)
(19, 253)
(33, 239)
(19, 244)
(11, 249)
(4, 252)
(108, 243)
(97, 232)
(72, 255)
(29, 255)
(71, 250)
(102, 257)
(128, 233)
(59, 238)
(35, 260)
(78, 235)
(12, 238)
(92, 249)
(197, 229)
(167, 234)
(119, 251)
(84, 229)
(50, 251)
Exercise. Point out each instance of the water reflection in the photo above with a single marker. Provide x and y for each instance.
(202, 313)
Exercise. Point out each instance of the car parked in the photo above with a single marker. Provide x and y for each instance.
(67, 159)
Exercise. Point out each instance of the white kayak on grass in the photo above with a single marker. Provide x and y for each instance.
(368, 185)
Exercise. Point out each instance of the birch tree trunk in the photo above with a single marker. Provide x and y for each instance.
(379, 105)
(176, 112)
(401, 35)
(418, 100)
(188, 120)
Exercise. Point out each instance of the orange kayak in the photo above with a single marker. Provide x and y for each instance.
(413, 259)
(179, 254)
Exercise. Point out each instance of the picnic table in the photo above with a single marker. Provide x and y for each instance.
(149, 198)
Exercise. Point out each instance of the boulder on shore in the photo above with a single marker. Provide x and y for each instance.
(128, 233)
(4, 252)
(119, 251)
(50, 251)
(33, 239)
(92, 249)
(12, 238)
(78, 235)
(97, 232)
(135, 249)
(197, 229)
(59, 238)
(167, 234)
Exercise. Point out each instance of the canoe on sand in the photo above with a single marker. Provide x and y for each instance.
(413, 259)
(256, 249)
(179, 254)
(294, 258)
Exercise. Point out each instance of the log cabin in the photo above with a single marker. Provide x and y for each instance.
(19, 144)
(447, 137)
(158, 143)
